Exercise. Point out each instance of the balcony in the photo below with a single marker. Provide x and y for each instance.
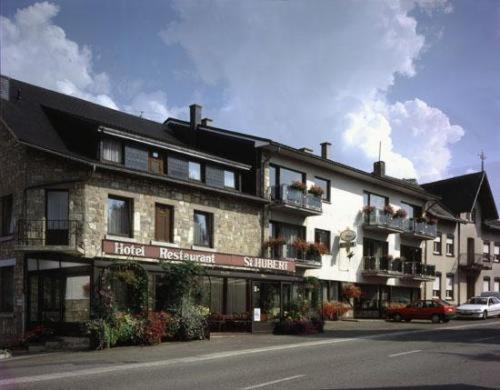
(421, 230)
(415, 270)
(286, 197)
(380, 221)
(50, 236)
(384, 267)
(475, 262)
(302, 260)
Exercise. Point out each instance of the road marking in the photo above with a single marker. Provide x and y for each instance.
(405, 353)
(290, 378)
(212, 356)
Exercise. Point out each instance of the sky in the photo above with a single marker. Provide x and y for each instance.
(419, 78)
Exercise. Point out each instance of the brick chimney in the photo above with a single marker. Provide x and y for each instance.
(379, 168)
(325, 150)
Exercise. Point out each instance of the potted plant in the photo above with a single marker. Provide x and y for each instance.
(420, 219)
(316, 190)
(298, 185)
(388, 210)
(367, 210)
(301, 246)
(400, 213)
(317, 249)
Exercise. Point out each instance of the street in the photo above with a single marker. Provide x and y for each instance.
(371, 354)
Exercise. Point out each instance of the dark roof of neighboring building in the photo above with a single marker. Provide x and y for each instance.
(441, 212)
(460, 194)
(29, 113)
(493, 224)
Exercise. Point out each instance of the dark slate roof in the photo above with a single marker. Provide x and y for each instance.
(460, 193)
(30, 113)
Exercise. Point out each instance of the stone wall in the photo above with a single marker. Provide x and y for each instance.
(236, 223)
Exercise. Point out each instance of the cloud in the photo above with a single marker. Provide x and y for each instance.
(36, 50)
(307, 72)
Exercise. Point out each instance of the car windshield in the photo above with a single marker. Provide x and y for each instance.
(478, 301)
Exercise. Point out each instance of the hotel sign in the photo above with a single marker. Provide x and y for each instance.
(207, 258)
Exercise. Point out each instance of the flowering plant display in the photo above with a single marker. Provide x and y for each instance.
(298, 185)
(316, 190)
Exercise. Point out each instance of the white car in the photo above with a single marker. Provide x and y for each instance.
(480, 307)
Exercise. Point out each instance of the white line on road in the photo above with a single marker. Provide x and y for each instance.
(405, 353)
(212, 356)
(290, 378)
(483, 339)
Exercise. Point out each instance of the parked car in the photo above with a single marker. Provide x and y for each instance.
(491, 294)
(435, 310)
(480, 307)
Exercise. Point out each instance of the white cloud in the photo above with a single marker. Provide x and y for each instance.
(306, 72)
(34, 49)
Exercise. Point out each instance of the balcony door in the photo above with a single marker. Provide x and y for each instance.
(57, 232)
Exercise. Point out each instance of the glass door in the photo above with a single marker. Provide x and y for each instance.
(57, 218)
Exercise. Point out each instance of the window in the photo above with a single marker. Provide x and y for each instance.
(436, 286)
(486, 251)
(375, 248)
(164, 223)
(323, 237)
(119, 216)
(450, 245)
(289, 233)
(155, 162)
(229, 179)
(449, 286)
(325, 186)
(177, 167)
(411, 211)
(194, 170)
(6, 220)
(496, 252)
(496, 285)
(203, 229)
(112, 150)
(486, 283)
(438, 245)
(6, 289)
(377, 201)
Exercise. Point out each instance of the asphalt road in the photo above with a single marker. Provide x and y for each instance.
(461, 354)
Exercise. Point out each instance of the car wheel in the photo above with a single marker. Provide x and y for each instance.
(436, 318)
(397, 317)
(485, 315)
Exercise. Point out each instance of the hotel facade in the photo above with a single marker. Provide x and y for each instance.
(83, 186)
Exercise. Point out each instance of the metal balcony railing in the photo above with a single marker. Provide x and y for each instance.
(288, 195)
(378, 218)
(383, 265)
(49, 233)
(475, 261)
(422, 229)
(418, 270)
(289, 252)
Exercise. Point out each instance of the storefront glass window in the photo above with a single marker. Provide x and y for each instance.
(237, 297)
(266, 299)
(77, 299)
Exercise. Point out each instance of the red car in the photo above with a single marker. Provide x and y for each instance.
(435, 310)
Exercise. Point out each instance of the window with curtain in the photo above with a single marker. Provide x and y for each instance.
(6, 220)
(449, 286)
(323, 237)
(437, 245)
(203, 229)
(450, 245)
(7, 289)
(436, 286)
(236, 296)
(119, 216)
(486, 284)
(112, 150)
(289, 233)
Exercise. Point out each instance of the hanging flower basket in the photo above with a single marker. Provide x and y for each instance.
(298, 185)
(400, 213)
(367, 210)
(300, 245)
(316, 190)
(317, 249)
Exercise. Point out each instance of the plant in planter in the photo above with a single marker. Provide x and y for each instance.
(316, 190)
(350, 291)
(274, 242)
(420, 219)
(334, 310)
(400, 213)
(388, 210)
(298, 185)
(317, 249)
(301, 246)
(367, 210)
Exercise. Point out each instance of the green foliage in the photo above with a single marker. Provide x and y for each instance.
(189, 324)
(178, 282)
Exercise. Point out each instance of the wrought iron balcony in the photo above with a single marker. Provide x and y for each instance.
(418, 271)
(50, 235)
(287, 251)
(381, 221)
(293, 199)
(416, 229)
(384, 266)
(475, 262)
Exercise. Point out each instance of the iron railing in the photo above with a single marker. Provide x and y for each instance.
(417, 269)
(419, 228)
(47, 233)
(381, 219)
(294, 197)
(475, 261)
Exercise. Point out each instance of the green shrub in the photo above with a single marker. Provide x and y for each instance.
(189, 324)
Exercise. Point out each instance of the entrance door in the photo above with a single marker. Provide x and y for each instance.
(470, 251)
(57, 218)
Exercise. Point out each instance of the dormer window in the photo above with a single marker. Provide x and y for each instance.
(112, 150)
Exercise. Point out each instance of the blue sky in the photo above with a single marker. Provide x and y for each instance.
(421, 77)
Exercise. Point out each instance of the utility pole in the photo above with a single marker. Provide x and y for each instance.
(482, 156)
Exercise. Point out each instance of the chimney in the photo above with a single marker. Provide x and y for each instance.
(325, 150)
(306, 150)
(194, 115)
(206, 122)
(379, 168)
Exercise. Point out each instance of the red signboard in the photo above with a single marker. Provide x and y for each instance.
(208, 258)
